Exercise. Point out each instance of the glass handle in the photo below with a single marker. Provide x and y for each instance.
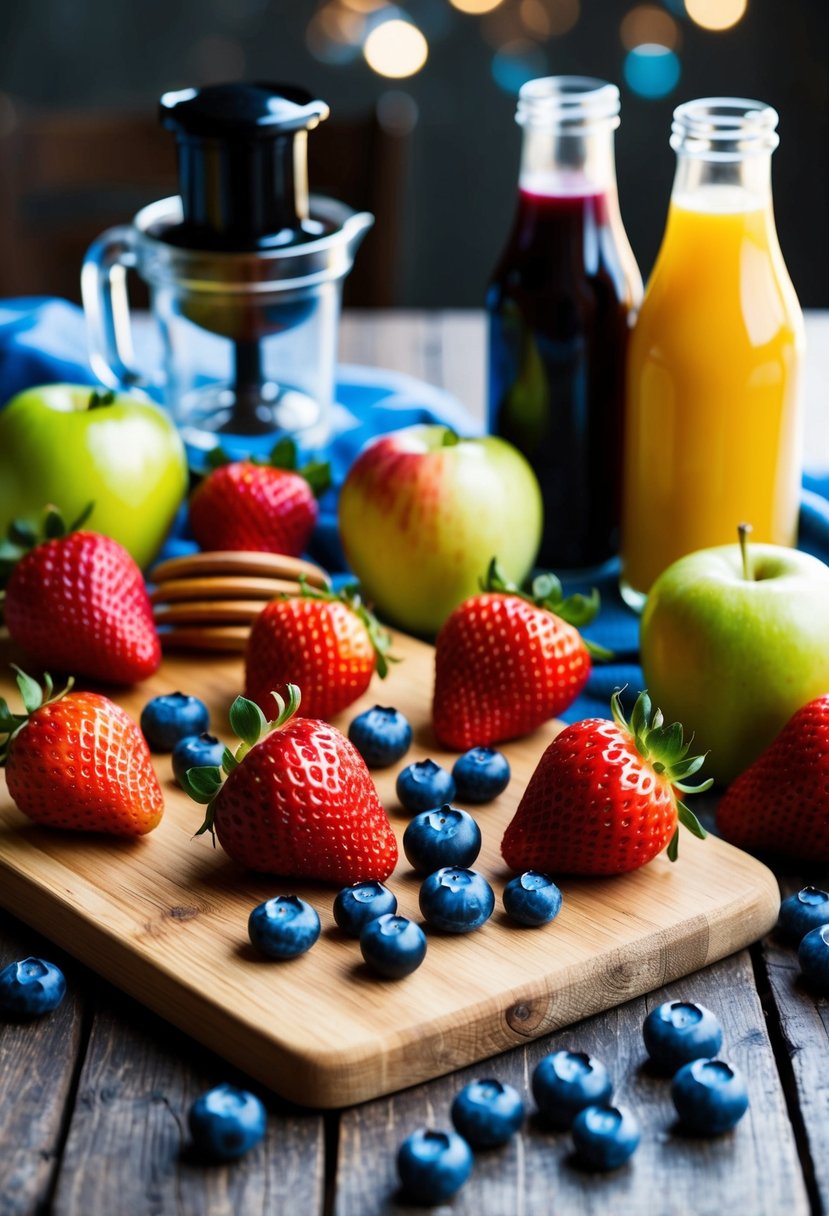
(107, 308)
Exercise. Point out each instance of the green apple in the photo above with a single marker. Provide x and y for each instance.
(422, 513)
(733, 642)
(69, 445)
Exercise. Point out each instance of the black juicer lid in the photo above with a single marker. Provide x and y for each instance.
(242, 164)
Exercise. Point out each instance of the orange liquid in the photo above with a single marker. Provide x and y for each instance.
(712, 434)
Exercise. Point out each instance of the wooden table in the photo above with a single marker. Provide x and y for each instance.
(94, 1097)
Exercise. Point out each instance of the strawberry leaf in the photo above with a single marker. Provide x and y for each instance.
(78, 523)
(247, 721)
(318, 475)
(673, 846)
(283, 453)
(689, 820)
(202, 784)
(229, 761)
(30, 690)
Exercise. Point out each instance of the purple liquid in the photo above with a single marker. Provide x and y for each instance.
(558, 309)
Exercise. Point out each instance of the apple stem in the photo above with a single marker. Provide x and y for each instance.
(744, 531)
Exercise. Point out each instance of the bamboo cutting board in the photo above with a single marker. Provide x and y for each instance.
(165, 918)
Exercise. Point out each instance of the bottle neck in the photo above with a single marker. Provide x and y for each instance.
(708, 184)
(568, 163)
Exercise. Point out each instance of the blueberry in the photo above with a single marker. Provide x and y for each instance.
(605, 1136)
(393, 946)
(30, 988)
(566, 1082)
(226, 1122)
(433, 1165)
(424, 786)
(455, 900)
(196, 751)
(487, 1113)
(710, 1096)
(355, 906)
(283, 927)
(532, 899)
(679, 1031)
(813, 955)
(382, 736)
(800, 913)
(480, 774)
(171, 717)
(447, 836)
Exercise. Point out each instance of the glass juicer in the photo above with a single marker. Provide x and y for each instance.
(245, 273)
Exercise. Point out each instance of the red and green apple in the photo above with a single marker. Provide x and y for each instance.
(422, 513)
(69, 445)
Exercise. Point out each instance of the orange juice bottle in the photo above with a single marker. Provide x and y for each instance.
(712, 419)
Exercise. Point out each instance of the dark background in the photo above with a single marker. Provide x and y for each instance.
(121, 54)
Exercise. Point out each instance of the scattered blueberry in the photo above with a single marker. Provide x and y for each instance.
(171, 717)
(30, 988)
(679, 1031)
(800, 913)
(710, 1096)
(447, 836)
(487, 1113)
(813, 955)
(424, 785)
(433, 1165)
(196, 751)
(566, 1082)
(356, 905)
(393, 946)
(226, 1122)
(605, 1136)
(382, 736)
(283, 927)
(532, 899)
(456, 900)
(480, 774)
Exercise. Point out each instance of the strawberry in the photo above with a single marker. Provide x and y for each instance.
(781, 802)
(77, 602)
(328, 642)
(298, 800)
(245, 504)
(505, 662)
(76, 760)
(602, 799)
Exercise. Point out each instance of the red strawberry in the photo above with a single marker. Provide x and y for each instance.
(602, 799)
(328, 643)
(506, 662)
(79, 761)
(256, 506)
(781, 802)
(298, 800)
(78, 603)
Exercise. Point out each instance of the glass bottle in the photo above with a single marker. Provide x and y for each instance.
(713, 421)
(560, 304)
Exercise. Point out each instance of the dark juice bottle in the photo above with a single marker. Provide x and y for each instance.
(559, 304)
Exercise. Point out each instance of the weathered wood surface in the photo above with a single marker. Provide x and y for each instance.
(670, 1174)
(753, 1170)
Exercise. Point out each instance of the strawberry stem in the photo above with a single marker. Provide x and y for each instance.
(665, 749)
(249, 724)
(547, 593)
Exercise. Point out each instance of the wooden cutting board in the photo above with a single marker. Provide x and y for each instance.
(165, 919)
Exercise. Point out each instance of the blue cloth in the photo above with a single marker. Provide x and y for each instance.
(43, 340)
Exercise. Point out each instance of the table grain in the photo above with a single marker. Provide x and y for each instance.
(93, 1099)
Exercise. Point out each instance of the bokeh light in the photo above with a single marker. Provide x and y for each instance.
(335, 33)
(549, 18)
(648, 23)
(396, 48)
(651, 70)
(517, 62)
(716, 14)
(475, 6)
